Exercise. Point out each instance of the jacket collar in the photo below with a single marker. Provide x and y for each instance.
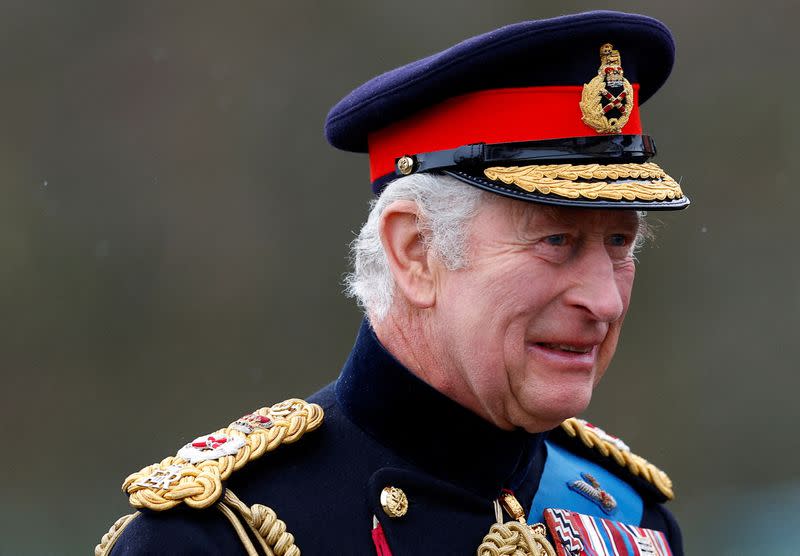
(427, 428)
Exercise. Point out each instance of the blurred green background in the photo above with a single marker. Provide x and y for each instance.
(174, 229)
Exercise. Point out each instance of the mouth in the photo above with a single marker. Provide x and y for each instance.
(566, 356)
(566, 347)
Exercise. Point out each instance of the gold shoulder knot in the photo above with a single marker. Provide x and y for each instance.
(614, 448)
(195, 474)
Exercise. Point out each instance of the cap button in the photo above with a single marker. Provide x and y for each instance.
(405, 165)
(394, 501)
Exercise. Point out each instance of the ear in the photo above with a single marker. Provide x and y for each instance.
(408, 257)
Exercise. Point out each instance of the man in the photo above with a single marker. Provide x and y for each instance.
(495, 269)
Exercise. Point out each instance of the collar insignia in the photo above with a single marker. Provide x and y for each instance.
(607, 99)
(588, 487)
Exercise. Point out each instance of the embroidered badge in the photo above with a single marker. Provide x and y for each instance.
(582, 535)
(250, 422)
(162, 478)
(210, 446)
(607, 99)
(590, 488)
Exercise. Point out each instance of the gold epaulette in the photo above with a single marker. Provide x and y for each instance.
(614, 448)
(194, 476)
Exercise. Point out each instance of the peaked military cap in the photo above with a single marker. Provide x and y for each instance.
(544, 111)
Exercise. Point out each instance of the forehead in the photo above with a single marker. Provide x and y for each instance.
(531, 216)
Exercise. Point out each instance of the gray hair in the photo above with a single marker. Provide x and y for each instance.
(446, 206)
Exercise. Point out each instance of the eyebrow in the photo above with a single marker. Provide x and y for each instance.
(524, 215)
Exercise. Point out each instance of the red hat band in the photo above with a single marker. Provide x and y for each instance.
(489, 116)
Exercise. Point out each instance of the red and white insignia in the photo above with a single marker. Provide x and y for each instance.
(250, 422)
(605, 436)
(211, 446)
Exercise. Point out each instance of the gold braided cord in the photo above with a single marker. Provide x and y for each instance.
(240, 530)
(514, 538)
(637, 465)
(267, 528)
(644, 182)
(199, 485)
(109, 539)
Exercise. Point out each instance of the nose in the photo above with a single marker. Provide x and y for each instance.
(595, 287)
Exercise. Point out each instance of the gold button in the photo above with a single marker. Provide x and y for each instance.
(394, 501)
(405, 165)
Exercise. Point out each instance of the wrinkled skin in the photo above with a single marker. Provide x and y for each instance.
(525, 331)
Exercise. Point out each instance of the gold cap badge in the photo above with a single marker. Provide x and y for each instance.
(607, 99)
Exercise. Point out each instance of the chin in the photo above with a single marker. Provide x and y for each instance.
(548, 411)
(573, 404)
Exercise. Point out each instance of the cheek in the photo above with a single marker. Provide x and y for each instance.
(487, 300)
(624, 278)
(607, 350)
(468, 317)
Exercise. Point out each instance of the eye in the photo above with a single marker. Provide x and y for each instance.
(620, 246)
(556, 239)
(556, 248)
(618, 240)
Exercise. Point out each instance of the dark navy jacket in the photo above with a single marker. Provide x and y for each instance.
(383, 426)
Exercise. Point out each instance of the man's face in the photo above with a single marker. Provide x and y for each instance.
(530, 325)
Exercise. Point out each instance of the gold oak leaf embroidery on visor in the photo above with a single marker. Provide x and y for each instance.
(643, 182)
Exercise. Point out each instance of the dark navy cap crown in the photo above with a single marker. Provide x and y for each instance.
(557, 56)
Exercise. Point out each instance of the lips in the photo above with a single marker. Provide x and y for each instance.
(566, 347)
(573, 354)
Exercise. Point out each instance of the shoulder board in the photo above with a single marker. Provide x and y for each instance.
(613, 450)
(195, 474)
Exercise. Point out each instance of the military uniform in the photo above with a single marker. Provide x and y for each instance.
(383, 428)
(379, 462)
